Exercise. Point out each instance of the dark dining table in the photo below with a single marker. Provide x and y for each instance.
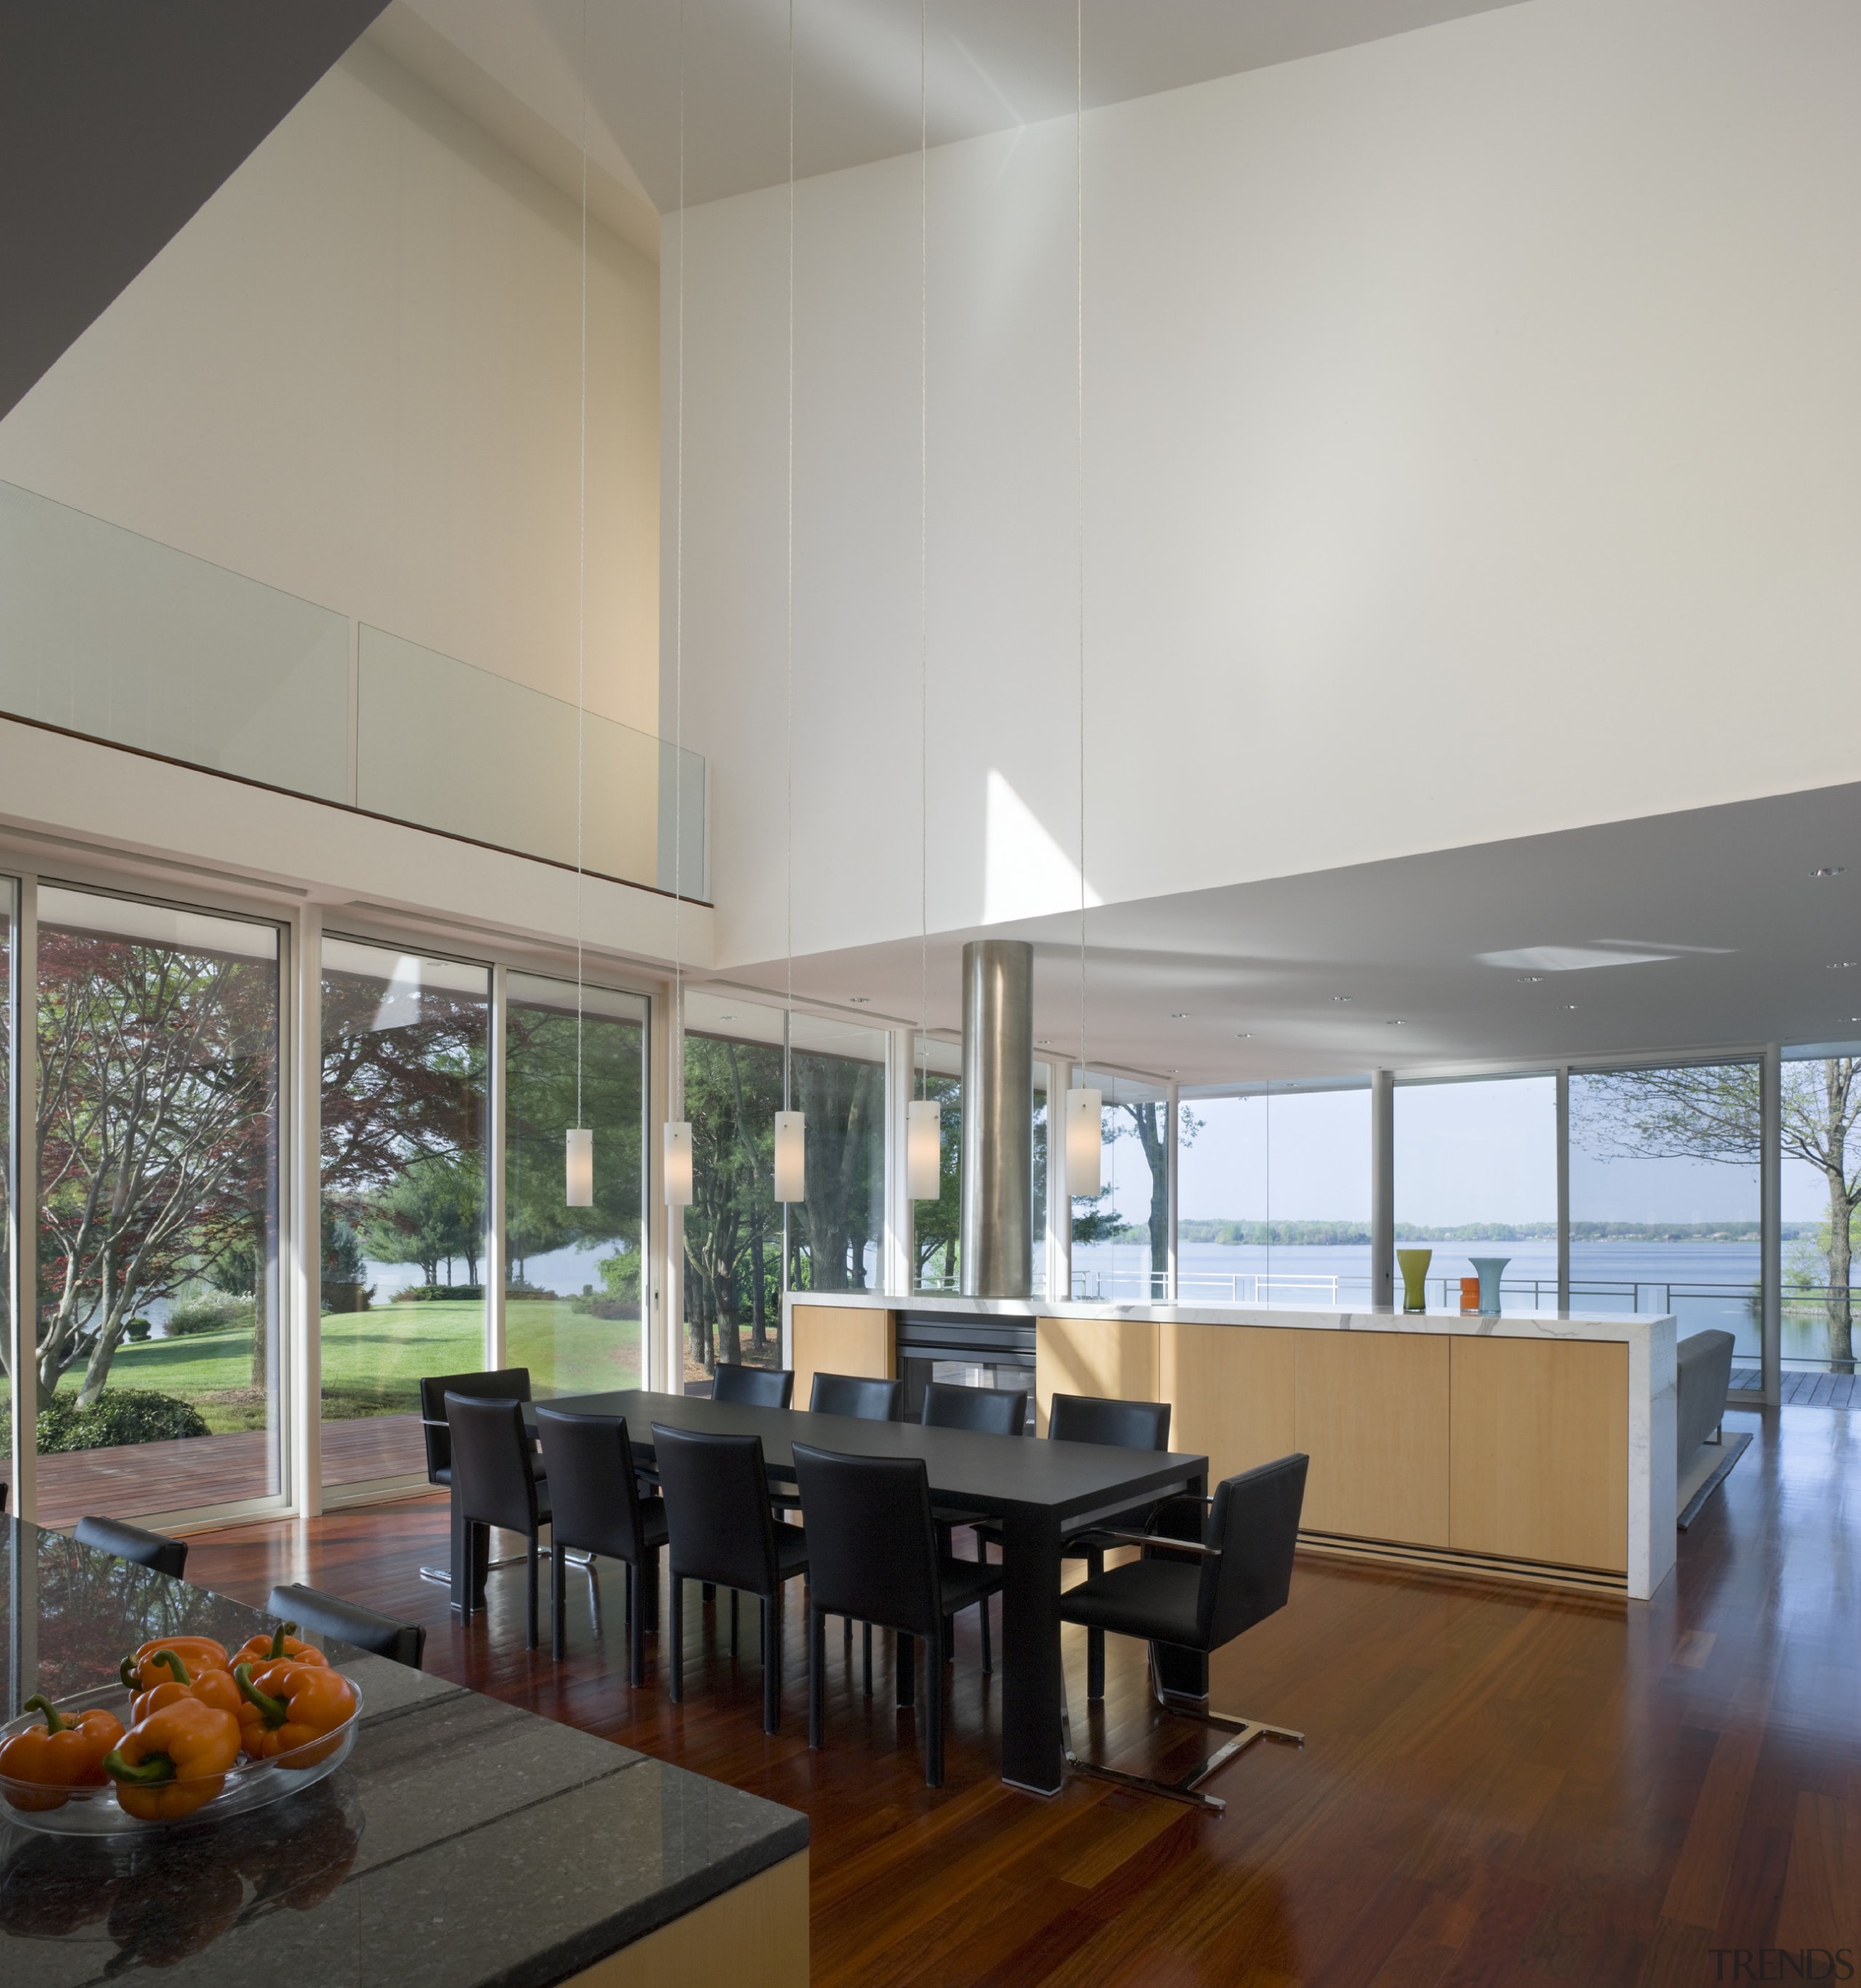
(1040, 1490)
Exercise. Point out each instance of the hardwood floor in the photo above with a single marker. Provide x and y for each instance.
(1499, 1786)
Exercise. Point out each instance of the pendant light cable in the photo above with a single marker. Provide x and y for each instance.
(924, 558)
(677, 1084)
(1078, 87)
(581, 614)
(788, 1031)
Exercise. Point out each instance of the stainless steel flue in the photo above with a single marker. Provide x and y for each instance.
(998, 1254)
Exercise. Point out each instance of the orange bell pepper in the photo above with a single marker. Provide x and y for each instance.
(259, 1651)
(300, 1704)
(198, 1653)
(69, 1753)
(174, 1761)
(215, 1688)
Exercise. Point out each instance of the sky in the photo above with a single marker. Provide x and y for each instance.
(1478, 1151)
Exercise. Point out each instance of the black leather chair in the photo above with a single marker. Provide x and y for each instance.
(494, 1483)
(868, 1401)
(754, 1387)
(1199, 1593)
(131, 1543)
(989, 1412)
(1123, 1425)
(858, 1395)
(595, 1503)
(719, 1530)
(500, 1383)
(312, 1613)
(873, 1552)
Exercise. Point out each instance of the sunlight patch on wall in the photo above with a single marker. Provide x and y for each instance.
(1026, 874)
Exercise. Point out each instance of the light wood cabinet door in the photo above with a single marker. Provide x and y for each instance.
(1232, 1392)
(1541, 1451)
(1373, 1417)
(839, 1339)
(1114, 1358)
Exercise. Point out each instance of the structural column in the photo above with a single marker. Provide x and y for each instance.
(304, 1304)
(1563, 1188)
(997, 1118)
(23, 1208)
(1172, 1151)
(497, 1274)
(1383, 1187)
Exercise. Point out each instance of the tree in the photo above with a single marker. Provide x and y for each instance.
(1711, 1113)
(432, 1211)
(158, 1077)
(843, 1214)
(1148, 1122)
(733, 1090)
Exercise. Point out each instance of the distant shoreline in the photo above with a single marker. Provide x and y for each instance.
(1344, 1234)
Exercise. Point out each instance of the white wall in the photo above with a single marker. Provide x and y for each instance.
(1471, 419)
(355, 375)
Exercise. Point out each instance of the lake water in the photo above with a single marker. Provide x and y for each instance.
(1605, 1276)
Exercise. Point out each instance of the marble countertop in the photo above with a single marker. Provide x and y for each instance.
(465, 1843)
(1623, 1327)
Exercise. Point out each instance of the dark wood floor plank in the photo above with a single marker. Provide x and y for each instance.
(1500, 1786)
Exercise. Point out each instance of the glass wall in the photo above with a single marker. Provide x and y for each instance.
(1821, 1183)
(1476, 1174)
(572, 1302)
(1664, 1198)
(405, 1041)
(1121, 1236)
(937, 1226)
(1273, 1195)
(737, 1236)
(156, 1333)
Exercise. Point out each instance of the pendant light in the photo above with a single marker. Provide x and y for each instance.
(677, 1166)
(579, 1158)
(791, 1126)
(1085, 1135)
(924, 1115)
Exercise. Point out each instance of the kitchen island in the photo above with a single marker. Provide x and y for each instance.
(463, 1844)
(1534, 1446)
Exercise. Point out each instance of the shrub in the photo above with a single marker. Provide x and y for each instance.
(118, 1415)
(208, 1311)
(438, 1294)
(137, 1329)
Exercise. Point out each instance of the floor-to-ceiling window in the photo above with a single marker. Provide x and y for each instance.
(937, 1226)
(1821, 1186)
(1476, 1175)
(1664, 1200)
(737, 1235)
(405, 1044)
(156, 1341)
(1274, 1192)
(1121, 1235)
(576, 1280)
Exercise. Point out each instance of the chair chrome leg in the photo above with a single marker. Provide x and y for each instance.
(1189, 1788)
(442, 1577)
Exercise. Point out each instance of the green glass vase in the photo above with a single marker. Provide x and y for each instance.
(1414, 1278)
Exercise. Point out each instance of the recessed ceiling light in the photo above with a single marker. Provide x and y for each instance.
(727, 1018)
(1245, 1036)
(1570, 1007)
(1836, 965)
(1344, 997)
(1828, 870)
(860, 1000)
(1179, 1014)
(1529, 980)
(1393, 1025)
(1043, 1042)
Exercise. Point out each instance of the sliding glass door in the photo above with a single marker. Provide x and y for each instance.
(156, 1138)
(576, 1278)
(406, 1043)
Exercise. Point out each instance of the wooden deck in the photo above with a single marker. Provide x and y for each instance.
(180, 1476)
(1805, 1389)
(1500, 1787)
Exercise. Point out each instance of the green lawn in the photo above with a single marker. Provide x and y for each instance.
(372, 1361)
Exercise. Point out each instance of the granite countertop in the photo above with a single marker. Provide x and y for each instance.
(464, 1843)
(1521, 1323)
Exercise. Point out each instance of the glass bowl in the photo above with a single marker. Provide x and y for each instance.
(95, 1811)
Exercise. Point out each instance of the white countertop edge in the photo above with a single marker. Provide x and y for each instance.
(1622, 1328)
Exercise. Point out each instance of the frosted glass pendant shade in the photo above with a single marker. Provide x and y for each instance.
(678, 1163)
(791, 1155)
(1085, 1147)
(581, 1167)
(924, 1148)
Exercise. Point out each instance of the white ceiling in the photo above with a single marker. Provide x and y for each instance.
(988, 65)
(1687, 931)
